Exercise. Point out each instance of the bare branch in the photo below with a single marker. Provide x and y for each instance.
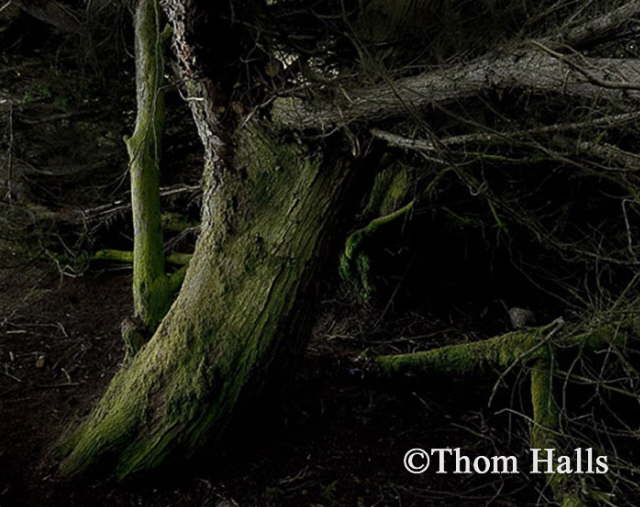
(609, 121)
(610, 153)
(106, 210)
(603, 151)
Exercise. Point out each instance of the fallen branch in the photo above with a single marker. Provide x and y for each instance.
(532, 71)
(609, 121)
(519, 68)
(494, 354)
(591, 76)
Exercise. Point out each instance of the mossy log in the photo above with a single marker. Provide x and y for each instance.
(497, 353)
(242, 311)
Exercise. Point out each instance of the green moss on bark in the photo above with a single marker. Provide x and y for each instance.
(495, 354)
(388, 204)
(545, 432)
(390, 191)
(355, 262)
(242, 311)
(151, 295)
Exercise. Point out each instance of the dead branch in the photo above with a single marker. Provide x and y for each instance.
(528, 70)
(608, 121)
(106, 210)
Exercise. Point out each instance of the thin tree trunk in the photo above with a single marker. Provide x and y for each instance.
(150, 285)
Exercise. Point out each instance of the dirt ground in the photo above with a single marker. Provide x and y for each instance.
(337, 439)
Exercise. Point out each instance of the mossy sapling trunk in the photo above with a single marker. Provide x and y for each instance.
(545, 431)
(240, 312)
(151, 287)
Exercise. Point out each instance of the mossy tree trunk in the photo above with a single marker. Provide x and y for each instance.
(240, 312)
(150, 284)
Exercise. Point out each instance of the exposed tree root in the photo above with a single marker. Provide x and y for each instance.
(355, 264)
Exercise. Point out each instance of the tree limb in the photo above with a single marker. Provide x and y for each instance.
(529, 70)
(604, 151)
(500, 352)
(126, 256)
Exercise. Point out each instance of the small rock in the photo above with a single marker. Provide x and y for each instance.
(521, 317)
(41, 361)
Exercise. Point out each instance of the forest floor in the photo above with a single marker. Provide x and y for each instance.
(337, 440)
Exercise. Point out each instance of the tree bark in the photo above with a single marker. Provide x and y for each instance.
(601, 28)
(241, 311)
(607, 79)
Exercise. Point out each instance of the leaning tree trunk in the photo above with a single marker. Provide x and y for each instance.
(241, 310)
(267, 207)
